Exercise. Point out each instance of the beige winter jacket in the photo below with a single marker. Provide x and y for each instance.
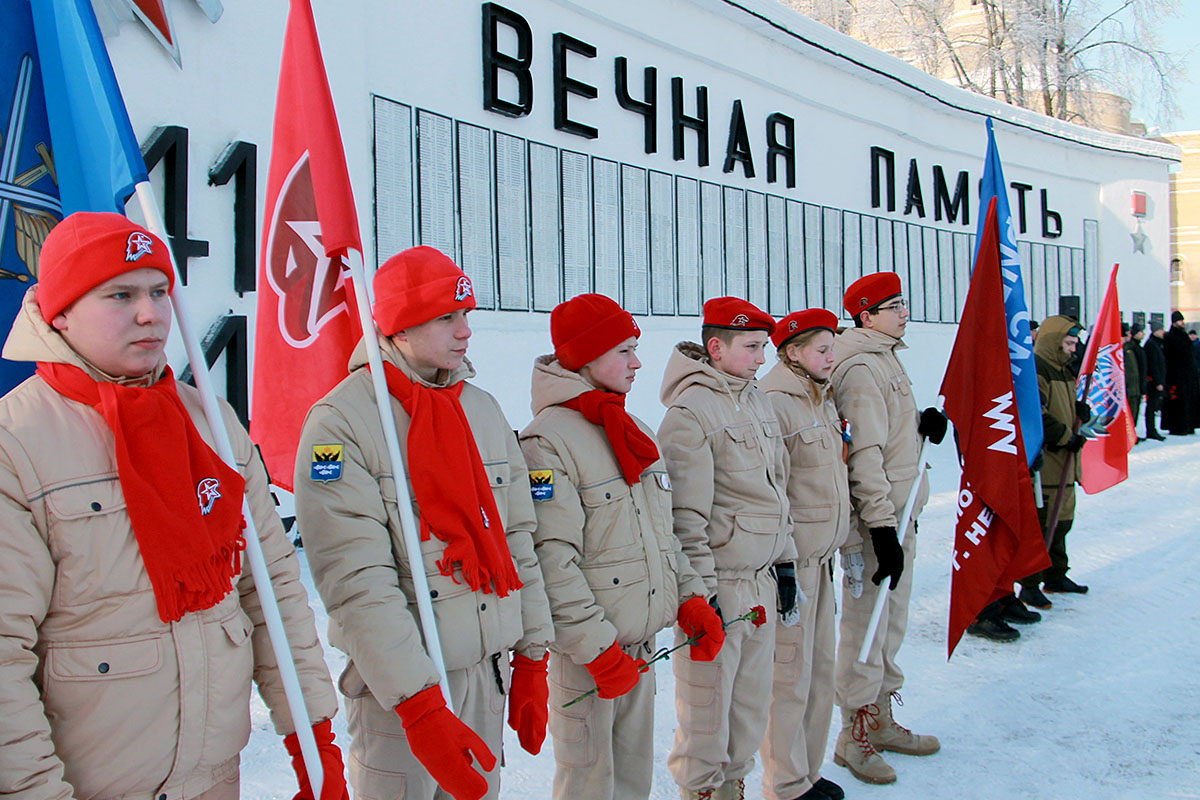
(728, 466)
(818, 486)
(99, 698)
(872, 391)
(351, 530)
(614, 570)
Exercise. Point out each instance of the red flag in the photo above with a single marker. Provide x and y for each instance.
(307, 322)
(997, 539)
(1105, 459)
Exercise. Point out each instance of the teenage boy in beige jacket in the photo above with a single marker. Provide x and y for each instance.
(727, 463)
(614, 571)
(470, 492)
(872, 391)
(131, 629)
(819, 493)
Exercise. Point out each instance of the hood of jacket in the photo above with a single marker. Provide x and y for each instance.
(853, 341)
(31, 338)
(795, 381)
(554, 384)
(392, 355)
(1051, 333)
(689, 366)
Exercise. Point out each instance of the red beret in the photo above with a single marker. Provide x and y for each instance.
(88, 248)
(418, 285)
(798, 322)
(869, 291)
(737, 314)
(588, 326)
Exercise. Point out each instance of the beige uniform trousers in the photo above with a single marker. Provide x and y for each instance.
(802, 696)
(381, 765)
(860, 684)
(722, 705)
(603, 749)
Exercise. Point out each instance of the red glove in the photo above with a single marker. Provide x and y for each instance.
(615, 672)
(529, 701)
(696, 616)
(444, 744)
(334, 784)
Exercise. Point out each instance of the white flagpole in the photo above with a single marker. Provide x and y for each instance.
(901, 531)
(408, 524)
(254, 553)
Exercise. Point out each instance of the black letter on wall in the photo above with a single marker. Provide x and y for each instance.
(1050, 231)
(169, 145)
(889, 161)
(942, 201)
(517, 66)
(239, 162)
(648, 107)
(698, 123)
(786, 148)
(565, 85)
(914, 199)
(1021, 188)
(737, 149)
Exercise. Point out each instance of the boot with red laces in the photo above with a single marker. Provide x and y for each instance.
(854, 750)
(894, 737)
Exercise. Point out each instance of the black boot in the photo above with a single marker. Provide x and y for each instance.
(1064, 585)
(829, 789)
(1016, 613)
(1032, 596)
(995, 629)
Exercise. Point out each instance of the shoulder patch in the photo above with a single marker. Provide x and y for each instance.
(541, 484)
(664, 480)
(326, 462)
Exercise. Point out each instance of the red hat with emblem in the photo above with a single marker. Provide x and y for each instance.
(88, 248)
(588, 326)
(418, 285)
(737, 314)
(871, 290)
(798, 322)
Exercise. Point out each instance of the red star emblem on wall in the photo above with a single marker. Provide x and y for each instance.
(154, 14)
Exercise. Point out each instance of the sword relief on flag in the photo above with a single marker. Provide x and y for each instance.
(311, 287)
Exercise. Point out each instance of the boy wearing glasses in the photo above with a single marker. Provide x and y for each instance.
(872, 391)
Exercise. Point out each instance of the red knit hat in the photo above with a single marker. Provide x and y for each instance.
(588, 326)
(88, 248)
(737, 314)
(869, 291)
(798, 322)
(418, 285)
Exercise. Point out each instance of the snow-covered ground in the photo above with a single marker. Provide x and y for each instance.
(1099, 700)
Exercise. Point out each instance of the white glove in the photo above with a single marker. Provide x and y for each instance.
(852, 565)
(792, 618)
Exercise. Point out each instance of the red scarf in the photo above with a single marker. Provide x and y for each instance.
(451, 487)
(634, 450)
(184, 503)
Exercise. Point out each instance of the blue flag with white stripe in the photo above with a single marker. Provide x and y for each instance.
(98, 158)
(1016, 312)
(29, 202)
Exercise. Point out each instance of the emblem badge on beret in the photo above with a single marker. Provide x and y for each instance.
(740, 321)
(137, 245)
(862, 302)
(792, 325)
(463, 290)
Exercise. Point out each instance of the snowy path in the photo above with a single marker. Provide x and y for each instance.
(1099, 700)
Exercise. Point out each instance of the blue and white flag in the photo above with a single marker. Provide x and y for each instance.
(29, 202)
(1016, 312)
(98, 158)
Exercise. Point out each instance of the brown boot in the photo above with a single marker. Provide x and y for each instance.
(854, 750)
(697, 794)
(891, 736)
(731, 790)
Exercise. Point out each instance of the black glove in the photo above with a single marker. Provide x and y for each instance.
(1038, 462)
(1075, 443)
(889, 555)
(717, 608)
(932, 425)
(785, 577)
(1083, 411)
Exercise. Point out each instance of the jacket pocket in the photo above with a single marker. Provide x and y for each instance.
(755, 541)
(230, 670)
(740, 449)
(610, 518)
(107, 661)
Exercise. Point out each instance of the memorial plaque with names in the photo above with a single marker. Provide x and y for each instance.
(546, 211)
(831, 247)
(756, 248)
(393, 178)
(1025, 256)
(1078, 279)
(887, 247)
(478, 241)
(1091, 268)
(870, 245)
(900, 252)
(576, 224)
(1037, 257)
(662, 243)
(712, 241)
(851, 251)
(512, 221)
(962, 272)
(929, 265)
(814, 273)
(916, 273)
(797, 282)
(777, 256)
(635, 240)
(687, 227)
(946, 271)
(735, 242)
(606, 222)
(1053, 289)
(435, 176)
(1065, 273)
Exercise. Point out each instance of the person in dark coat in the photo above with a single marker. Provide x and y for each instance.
(1156, 377)
(1133, 373)
(1183, 381)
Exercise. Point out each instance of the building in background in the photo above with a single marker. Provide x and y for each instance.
(1185, 227)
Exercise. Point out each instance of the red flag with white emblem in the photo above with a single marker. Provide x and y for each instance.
(1105, 459)
(997, 538)
(307, 324)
